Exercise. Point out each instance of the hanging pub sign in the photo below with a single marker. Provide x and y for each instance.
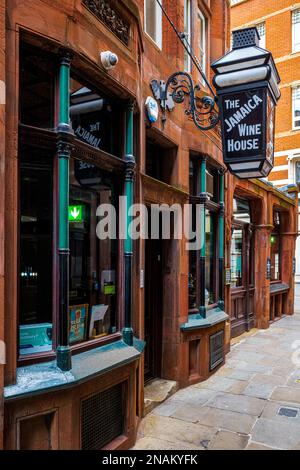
(246, 81)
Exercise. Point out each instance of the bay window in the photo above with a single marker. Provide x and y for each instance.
(204, 288)
(95, 177)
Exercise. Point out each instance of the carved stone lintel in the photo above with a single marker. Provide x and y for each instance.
(111, 18)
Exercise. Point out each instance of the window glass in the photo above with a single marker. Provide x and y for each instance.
(296, 30)
(212, 184)
(261, 28)
(297, 172)
(153, 21)
(37, 79)
(92, 118)
(193, 297)
(241, 210)
(275, 248)
(93, 262)
(202, 40)
(35, 284)
(296, 106)
(188, 34)
(210, 258)
(236, 255)
(275, 257)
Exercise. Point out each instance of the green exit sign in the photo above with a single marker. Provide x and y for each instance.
(75, 213)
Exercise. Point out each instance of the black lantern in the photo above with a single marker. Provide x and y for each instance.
(247, 81)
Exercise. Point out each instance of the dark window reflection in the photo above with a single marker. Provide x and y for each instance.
(93, 262)
(275, 248)
(236, 254)
(92, 118)
(37, 78)
(241, 210)
(35, 296)
(210, 230)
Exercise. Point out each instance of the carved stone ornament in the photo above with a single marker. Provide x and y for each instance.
(110, 17)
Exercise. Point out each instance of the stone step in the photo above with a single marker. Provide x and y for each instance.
(157, 391)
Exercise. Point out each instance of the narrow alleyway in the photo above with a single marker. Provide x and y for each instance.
(253, 402)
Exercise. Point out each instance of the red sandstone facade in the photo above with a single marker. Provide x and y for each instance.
(161, 271)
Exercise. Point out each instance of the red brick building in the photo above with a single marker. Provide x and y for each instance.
(278, 23)
(76, 360)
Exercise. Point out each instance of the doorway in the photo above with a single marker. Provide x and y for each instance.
(242, 269)
(153, 308)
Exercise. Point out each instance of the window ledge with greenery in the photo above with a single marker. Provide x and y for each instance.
(47, 377)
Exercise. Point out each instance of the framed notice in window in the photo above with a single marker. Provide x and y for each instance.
(77, 323)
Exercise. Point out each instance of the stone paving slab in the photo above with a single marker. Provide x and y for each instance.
(223, 384)
(238, 407)
(157, 391)
(286, 394)
(239, 403)
(174, 430)
(271, 411)
(193, 396)
(167, 408)
(256, 446)
(294, 379)
(226, 440)
(283, 435)
(152, 443)
(242, 375)
(259, 390)
(216, 418)
(268, 379)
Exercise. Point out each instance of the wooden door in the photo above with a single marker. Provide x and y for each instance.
(153, 308)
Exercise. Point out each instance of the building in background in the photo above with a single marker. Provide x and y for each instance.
(278, 23)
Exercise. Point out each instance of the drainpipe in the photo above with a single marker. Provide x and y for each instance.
(128, 245)
(64, 146)
(221, 303)
(203, 198)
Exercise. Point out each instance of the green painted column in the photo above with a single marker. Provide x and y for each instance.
(64, 146)
(221, 239)
(128, 245)
(203, 199)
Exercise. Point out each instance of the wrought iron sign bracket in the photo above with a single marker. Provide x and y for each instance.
(180, 89)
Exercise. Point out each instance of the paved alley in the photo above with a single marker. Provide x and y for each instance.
(253, 402)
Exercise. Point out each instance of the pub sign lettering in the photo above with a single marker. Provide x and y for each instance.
(247, 121)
